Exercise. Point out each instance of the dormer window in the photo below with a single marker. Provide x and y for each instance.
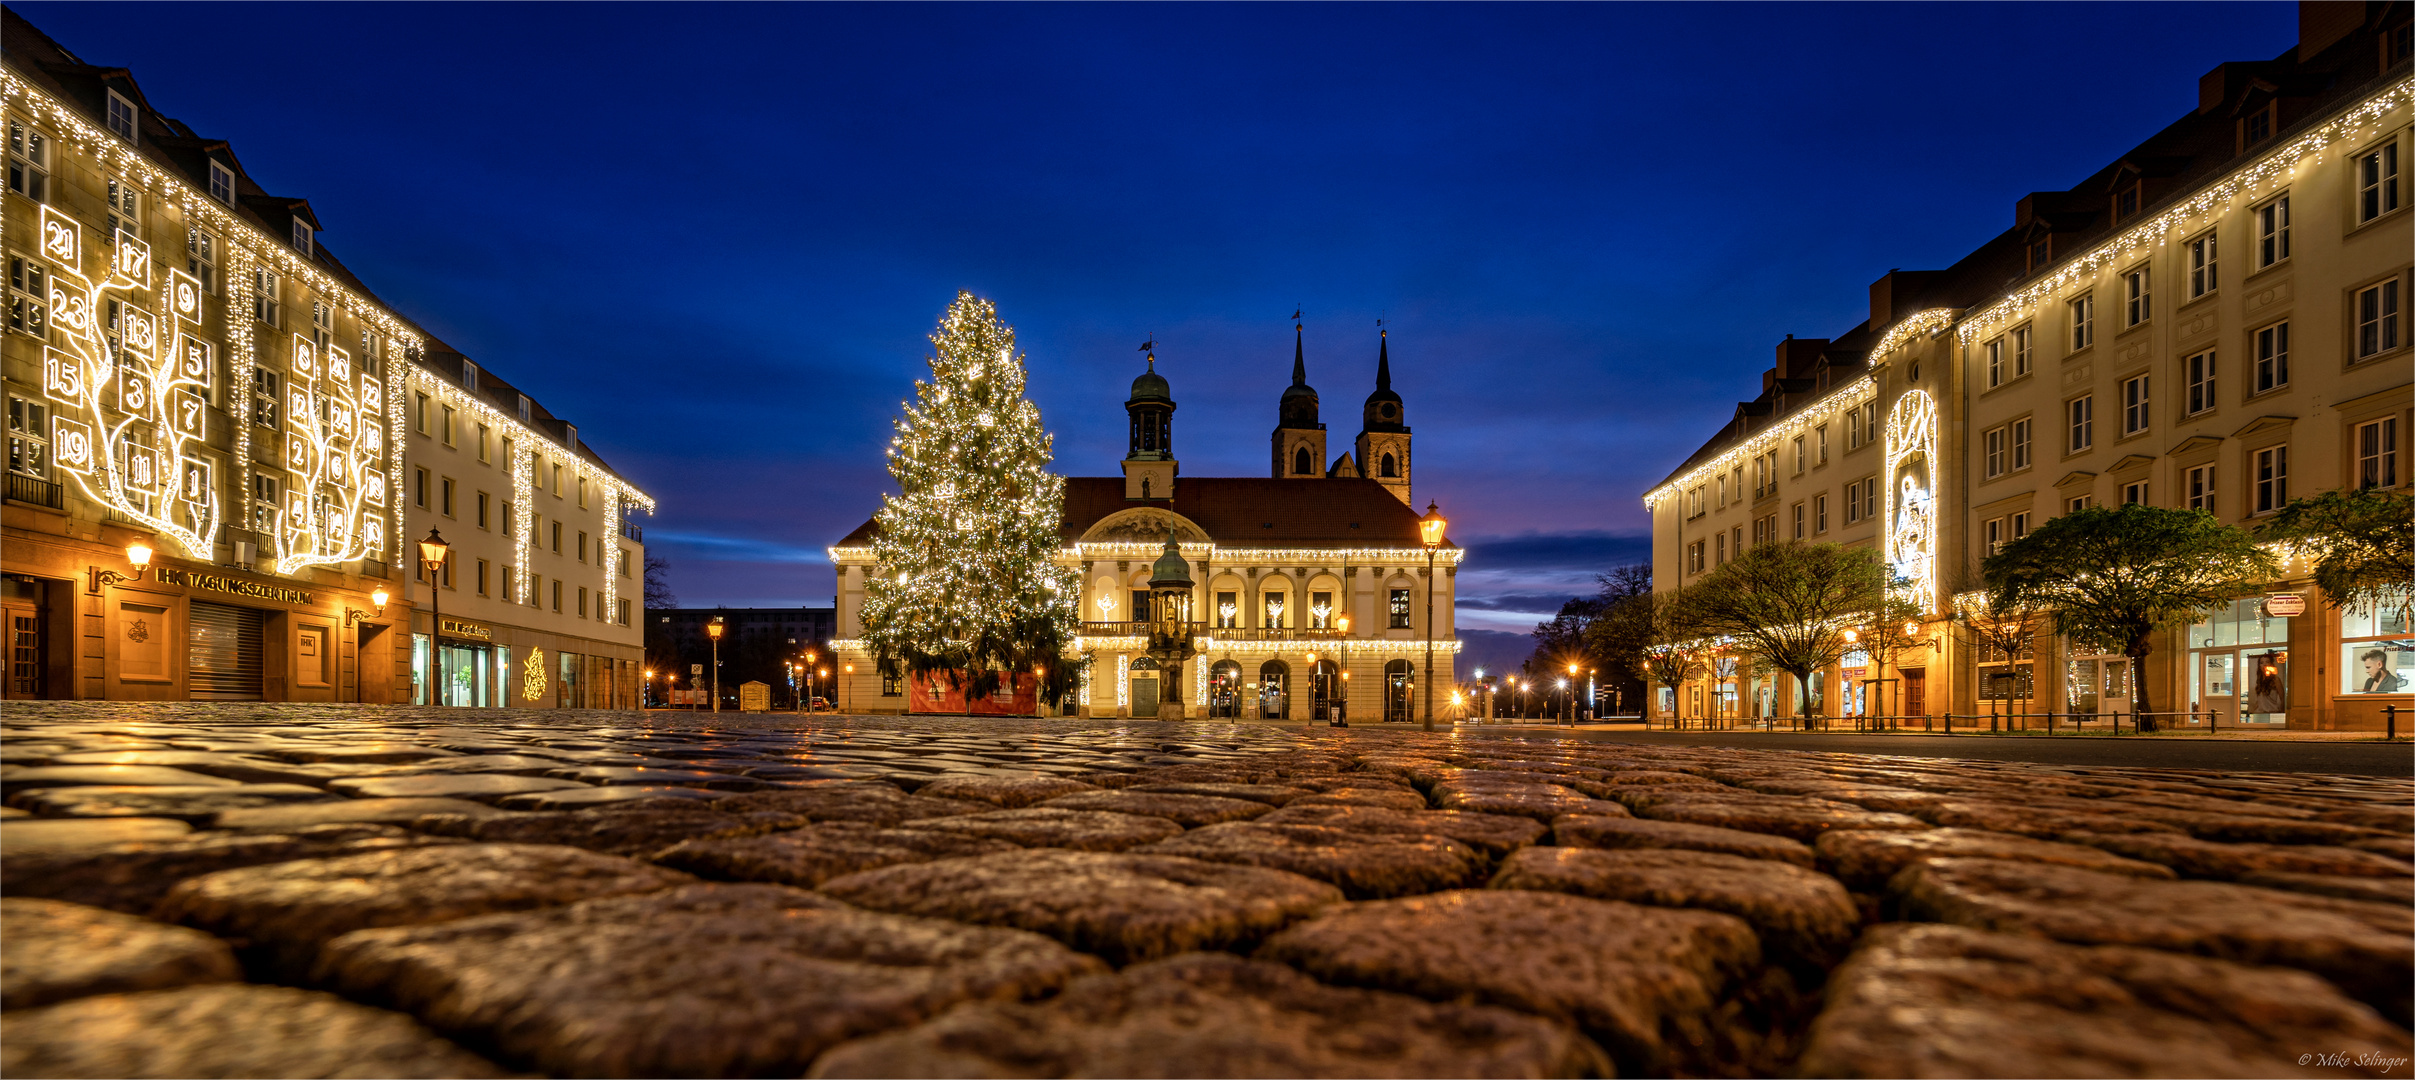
(222, 183)
(2126, 201)
(525, 410)
(469, 376)
(2256, 126)
(122, 116)
(302, 236)
(2041, 252)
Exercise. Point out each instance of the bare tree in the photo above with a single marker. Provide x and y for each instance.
(1890, 632)
(1789, 603)
(658, 584)
(2002, 632)
(1650, 633)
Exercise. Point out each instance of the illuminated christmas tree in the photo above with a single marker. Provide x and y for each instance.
(966, 581)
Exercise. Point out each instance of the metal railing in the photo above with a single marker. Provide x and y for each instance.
(633, 531)
(2054, 723)
(1273, 633)
(35, 490)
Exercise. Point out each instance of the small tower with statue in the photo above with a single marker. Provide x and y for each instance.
(1170, 624)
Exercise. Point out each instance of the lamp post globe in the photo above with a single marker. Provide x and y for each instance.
(714, 630)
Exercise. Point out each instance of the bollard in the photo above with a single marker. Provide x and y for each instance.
(2390, 714)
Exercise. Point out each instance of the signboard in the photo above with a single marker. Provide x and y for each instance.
(938, 694)
(754, 697)
(2284, 605)
(169, 575)
(459, 628)
(695, 669)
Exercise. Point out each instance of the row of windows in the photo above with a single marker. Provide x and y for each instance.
(537, 590)
(1809, 451)
(432, 492)
(2375, 445)
(30, 164)
(442, 422)
(1804, 520)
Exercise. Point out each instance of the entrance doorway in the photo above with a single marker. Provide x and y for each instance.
(1400, 684)
(223, 653)
(1274, 697)
(28, 655)
(1323, 678)
(2099, 685)
(1144, 687)
(1915, 691)
(1224, 690)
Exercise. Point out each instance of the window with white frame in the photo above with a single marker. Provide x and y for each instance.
(28, 290)
(1991, 361)
(123, 117)
(1870, 421)
(2020, 444)
(1992, 533)
(2197, 375)
(2078, 503)
(264, 397)
(2136, 299)
(2377, 454)
(1799, 463)
(266, 305)
(1996, 445)
(125, 205)
(28, 438)
(201, 258)
(28, 161)
(2134, 405)
(2019, 526)
(1693, 500)
(1819, 513)
(1719, 549)
(1693, 557)
(2198, 485)
(2377, 182)
(2134, 493)
(2377, 327)
(2203, 274)
(2083, 322)
(1723, 489)
(2083, 423)
(1820, 436)
(1799, 521)
(2021, 338)
(322, 322)
(222, 183)
(2272, 478)
(302, 237)
(2272, 232)
(264, 503)
(2272, 357)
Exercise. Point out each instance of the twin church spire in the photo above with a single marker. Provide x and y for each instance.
(1381, 452)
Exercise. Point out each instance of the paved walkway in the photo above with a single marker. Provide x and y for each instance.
(302, 890)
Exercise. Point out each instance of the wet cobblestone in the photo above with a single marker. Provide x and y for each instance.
(239, 890)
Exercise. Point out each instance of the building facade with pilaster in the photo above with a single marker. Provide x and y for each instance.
(2216, 320)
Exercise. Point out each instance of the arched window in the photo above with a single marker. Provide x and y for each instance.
(1391, 465)
(1300, 463)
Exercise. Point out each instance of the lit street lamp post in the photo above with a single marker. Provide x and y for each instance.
(431, 555)
(713, 630)
(1431, 526)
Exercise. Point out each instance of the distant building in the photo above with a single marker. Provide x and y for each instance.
(1309, 587)
(2217, 319)
(682, 629)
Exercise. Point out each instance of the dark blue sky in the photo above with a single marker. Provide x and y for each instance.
(714, 236)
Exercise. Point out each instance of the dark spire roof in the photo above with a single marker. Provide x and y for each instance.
(1298, 408)
(1383, 410)
(1151, 386)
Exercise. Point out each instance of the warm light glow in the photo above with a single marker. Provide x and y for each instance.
(1911, 629)
(379, 598)
(433, 549)
(1852, 636)
(1431, 525)
(713, 628)
(139, 554)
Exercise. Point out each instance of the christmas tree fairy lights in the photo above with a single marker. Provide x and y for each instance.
(967, 580)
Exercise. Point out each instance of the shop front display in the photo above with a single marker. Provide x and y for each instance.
(2238, 666)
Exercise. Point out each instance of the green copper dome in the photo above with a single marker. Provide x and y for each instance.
(1151, 386)
(1171, 568)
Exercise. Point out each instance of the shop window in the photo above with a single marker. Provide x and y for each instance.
(2238, 669)
(2377, 650)
(891, 685)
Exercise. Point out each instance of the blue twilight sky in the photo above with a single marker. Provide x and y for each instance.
(714, 236)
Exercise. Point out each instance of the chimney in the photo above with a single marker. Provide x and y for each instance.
(1798, 356)
(1896, 295)
(2322, 24)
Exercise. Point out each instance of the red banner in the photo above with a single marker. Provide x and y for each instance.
(937, 694)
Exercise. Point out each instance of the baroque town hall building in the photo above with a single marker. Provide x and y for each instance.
(2216, 320)
(1308, 591)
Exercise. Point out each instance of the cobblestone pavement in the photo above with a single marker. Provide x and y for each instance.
(298, 891)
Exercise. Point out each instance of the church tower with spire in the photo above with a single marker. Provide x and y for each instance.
(1383, 436)
(1149, 466)
(1299, 440)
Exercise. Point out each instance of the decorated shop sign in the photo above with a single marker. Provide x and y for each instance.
(233, 586)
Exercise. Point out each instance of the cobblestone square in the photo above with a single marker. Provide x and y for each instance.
(298, 890)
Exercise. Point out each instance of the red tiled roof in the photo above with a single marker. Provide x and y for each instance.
(1248, 511)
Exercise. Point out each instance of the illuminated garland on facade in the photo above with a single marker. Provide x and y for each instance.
(1911, 508)
(1318, 557)
(1912, 326)
(2362, 121)
(523, 440)
(1850, 396)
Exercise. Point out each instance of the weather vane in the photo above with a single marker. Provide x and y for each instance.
(1295, 317)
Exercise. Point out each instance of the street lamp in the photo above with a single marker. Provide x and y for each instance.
(138, 554)
(649, 688)
(843, 687)
(378, 598)
(432, 552)
(713, 630)
(1430, 528)
(807, 704)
